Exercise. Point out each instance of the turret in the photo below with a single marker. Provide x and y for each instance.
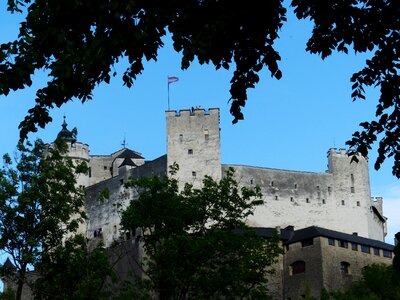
(78, 151)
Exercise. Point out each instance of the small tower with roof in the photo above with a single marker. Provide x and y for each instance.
(79, 152)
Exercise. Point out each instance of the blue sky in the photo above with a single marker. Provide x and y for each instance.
(289, 124)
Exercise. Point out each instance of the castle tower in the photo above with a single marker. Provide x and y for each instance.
(351, 188)
(193, 142)
(79, 152)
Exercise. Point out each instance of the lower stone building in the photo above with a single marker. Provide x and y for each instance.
(316, 258)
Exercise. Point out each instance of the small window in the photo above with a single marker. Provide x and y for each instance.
(121, 181)
(297, 267)
(307, 242)
(295, 185)
(331, 242)
(354, 247)
(272, 183)
(307, 200)
(352, 189)
(342, 202)
(291, 199)
(276, 197)
(344, 267)
(365, 249)
(90, 172)
(323, 201)
(329, 189)
(194, 174)
(358, 203)
(206, 135)
(181, 137)
(251, 181)
(376, 251)
(352, 178)
(343, 244)
(318, 187)
(387, 253)
(105, 167)
(190, 151)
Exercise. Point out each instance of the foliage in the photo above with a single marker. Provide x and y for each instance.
(197, 244)
(78, 42)
(39, 204)
(379, 282)
(72, 272)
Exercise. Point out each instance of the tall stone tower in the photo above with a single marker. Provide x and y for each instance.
(351, 188)
(193, 142)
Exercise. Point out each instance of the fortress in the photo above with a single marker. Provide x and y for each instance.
(338, 199)
(330, 227)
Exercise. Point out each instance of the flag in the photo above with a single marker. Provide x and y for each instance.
(172, 79)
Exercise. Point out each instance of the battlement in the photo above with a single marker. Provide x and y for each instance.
(78, 146)
(192, 112)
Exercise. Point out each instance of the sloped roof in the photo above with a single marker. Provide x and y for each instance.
(127, 162)
(314, 231)
(128, 153)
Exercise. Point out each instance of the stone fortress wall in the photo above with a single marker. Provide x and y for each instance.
(338, 199)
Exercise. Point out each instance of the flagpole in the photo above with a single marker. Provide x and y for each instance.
(168, 91)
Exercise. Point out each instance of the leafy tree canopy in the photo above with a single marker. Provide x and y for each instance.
(39, 204)
(78, 42)
(193, 248)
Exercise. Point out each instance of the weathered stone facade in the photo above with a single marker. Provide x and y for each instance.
(338, 199)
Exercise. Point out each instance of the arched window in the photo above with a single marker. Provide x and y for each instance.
(297, 267)
(344, 267)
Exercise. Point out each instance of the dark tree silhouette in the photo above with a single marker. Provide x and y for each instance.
(78, 42)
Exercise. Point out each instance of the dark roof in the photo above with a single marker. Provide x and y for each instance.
(127, 162)
(128, 153)
(378, 214)
(65, 134)
(8, 264)
(314, 231)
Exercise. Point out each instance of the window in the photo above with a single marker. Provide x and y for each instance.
(297, 267)
(307, 242)
(90, 172)
(387, 253)
(181, 137)
(376, 251)
(352, 178)
(329, 189)
(190, 151)
(358, 203)
(193, 173)
(354, 247)
(323, 201)
(344, 267)
(352, 189)
(276, 197)
(318, 187)
(365, 249)
(206, 135)
(342, 202)
(331, 242)
(121, 181)
(251, 181)
(105, 167)
(295, 185)
(307, 200)
(272, 183)
(343, 244)
(291, 199)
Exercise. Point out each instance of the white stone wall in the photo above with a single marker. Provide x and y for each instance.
(193, 142)
(338, 199)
